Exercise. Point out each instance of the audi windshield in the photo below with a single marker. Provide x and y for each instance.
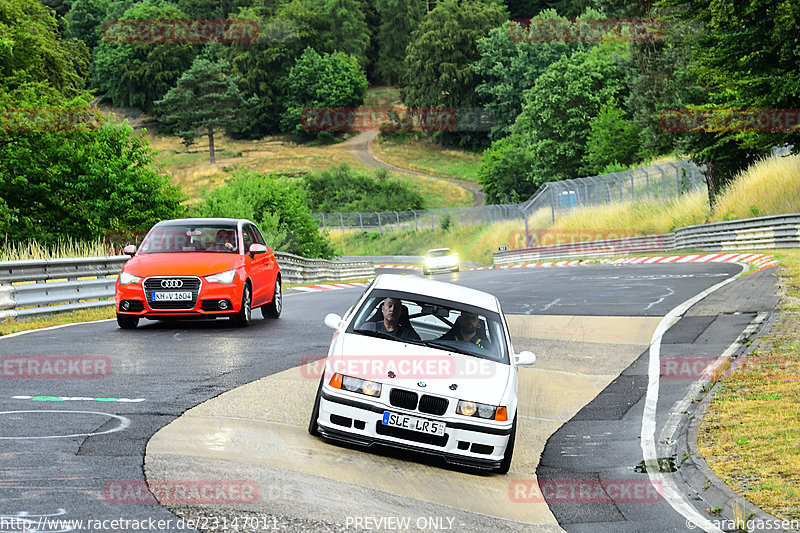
(191, 238)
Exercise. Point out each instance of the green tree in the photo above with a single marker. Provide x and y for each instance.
(746, 56)
(611, 139)
(263, 66)
(32, 50)
(398, 20)
(85, 19)
(82, 182)
(277, 204)
(205, 101)
(442, 49)
(558, 109)
(322, 81)
(509, 65)
(549, 137)
(138, 74)
(347, 30)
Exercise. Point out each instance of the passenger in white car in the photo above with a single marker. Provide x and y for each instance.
(468, 327)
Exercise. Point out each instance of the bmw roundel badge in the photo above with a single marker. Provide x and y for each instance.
(421, 384)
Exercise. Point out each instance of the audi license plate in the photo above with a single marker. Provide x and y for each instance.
(171, 296)
(413, 423)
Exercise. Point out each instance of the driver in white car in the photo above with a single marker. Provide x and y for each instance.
(395, 321)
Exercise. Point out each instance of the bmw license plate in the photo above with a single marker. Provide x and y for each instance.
(413, 423)
(171, 296)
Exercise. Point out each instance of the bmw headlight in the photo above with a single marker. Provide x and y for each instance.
(127, 279)
(481, 410)
(222, 277)
(363, 386)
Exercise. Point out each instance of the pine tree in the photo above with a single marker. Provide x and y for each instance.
(399, 19)
(205, 101)
(348, 31)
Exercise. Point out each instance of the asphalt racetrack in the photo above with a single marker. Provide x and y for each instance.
(204, 402)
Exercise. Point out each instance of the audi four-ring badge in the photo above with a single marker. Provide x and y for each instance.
(199, 268)
(424, 366)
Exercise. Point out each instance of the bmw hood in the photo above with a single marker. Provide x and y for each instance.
(420, 368)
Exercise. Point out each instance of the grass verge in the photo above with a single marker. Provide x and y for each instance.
(423, 155)
(73, 317)
(750, 435)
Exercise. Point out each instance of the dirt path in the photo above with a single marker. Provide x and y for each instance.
(359, 147)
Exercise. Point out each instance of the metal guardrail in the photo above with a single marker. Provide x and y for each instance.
(296, 269)
(779, 231)
(47, 286)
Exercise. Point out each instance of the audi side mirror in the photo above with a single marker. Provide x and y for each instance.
(257, 248)
(129, 250)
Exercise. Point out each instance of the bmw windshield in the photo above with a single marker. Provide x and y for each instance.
(432, 322)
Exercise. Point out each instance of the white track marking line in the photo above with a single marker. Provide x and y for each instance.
(664, 484)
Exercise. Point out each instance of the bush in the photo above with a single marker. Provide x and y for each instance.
(277, 204)
(505, 170)
(322, 81)
(342, 189)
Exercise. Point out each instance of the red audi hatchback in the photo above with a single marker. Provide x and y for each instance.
(199, 268)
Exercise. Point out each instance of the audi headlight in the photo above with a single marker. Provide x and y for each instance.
(480, 410)
(222, 277)
(127, 279)
(363, 386)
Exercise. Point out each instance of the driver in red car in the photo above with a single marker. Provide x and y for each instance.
(224, 240)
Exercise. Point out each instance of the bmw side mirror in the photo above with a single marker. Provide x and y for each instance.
(257, 248)
(524, 358)
(129, 250)
(333, 321)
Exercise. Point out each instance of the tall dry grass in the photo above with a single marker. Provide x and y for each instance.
(770, 186)
(626, 219)
(19, 251)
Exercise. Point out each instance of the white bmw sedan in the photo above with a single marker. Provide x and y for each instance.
(425, 366)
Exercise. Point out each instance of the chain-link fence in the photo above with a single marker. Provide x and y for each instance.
(660, 183)
(416, 220)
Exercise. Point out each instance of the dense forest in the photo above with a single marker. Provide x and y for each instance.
(563, 105)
